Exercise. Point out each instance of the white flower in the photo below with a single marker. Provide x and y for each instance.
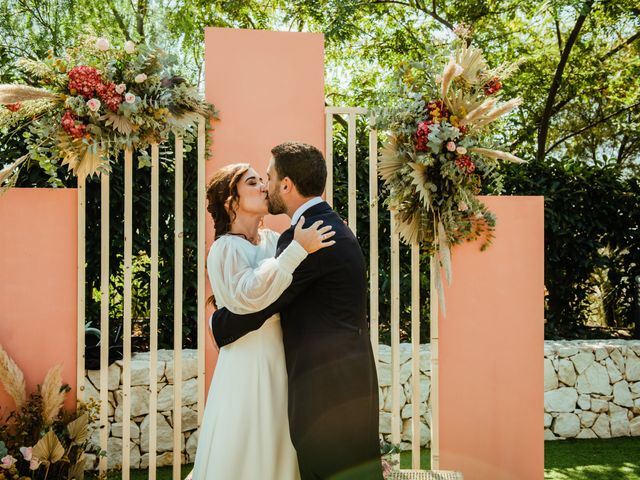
(121, 88)
(129, 98)
(93, 104)
(461, 150)
(129, 46)
(34, 463)
(27, 453)
(141, 77)
(102, 44)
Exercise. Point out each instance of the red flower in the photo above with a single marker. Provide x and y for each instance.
(492, 86)
(465, 164)
(84, 80)
(68, 122)
(109, 96)
(422, 134)
(14, 107)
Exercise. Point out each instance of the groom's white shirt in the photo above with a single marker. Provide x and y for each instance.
(304, 207)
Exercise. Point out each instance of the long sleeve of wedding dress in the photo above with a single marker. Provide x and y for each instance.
(243, 287)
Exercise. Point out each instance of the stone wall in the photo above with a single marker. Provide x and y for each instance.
(139, 426)
(592, 390)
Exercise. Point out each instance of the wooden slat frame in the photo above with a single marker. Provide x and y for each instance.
(177, 308)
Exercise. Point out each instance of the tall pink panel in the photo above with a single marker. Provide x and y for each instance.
(38, 284)
(491, 348)
(269, 88)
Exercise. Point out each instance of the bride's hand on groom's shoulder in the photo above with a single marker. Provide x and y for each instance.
(315, 237)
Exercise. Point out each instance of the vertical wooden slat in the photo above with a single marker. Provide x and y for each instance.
(415, 357)
(351, 172)
(328, 146)
(80, 306)
(201, 265)
(153, 312)
(374, 314)
(395, 332)
(433, 316)
(126, 324)
(104, 318)
(177, 311)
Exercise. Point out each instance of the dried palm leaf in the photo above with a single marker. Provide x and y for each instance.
(390, 160)
(49, 449)
(79, 429)
(444, 252)
(52, 395)
(11, 169)
(10, 93)
(409, 227)
(119, 122)
(487, 152)
(472, 62)
(419, 180)
(76, 471)
(12, 379)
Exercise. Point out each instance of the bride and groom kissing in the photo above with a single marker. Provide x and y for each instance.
(295, 393)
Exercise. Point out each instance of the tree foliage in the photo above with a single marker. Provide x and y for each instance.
(579, 125)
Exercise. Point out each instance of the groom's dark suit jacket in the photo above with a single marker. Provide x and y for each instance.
(333, 387)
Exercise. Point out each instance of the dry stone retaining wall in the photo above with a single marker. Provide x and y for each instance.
(592, 390)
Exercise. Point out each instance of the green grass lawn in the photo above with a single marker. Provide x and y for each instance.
(614, 459)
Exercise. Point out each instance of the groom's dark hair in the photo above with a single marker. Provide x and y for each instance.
(304, 164)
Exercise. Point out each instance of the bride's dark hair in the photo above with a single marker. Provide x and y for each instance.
(222, 196)
(222, 200)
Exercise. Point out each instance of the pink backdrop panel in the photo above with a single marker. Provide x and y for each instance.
(269, 89)
(38, 284)
(491, 349)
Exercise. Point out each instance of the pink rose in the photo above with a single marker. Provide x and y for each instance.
(93, 104)
(129, 46)
(129, 98)
(141, 77)
(121, 88)
(7, 462)
(461, 150)
(451, 146)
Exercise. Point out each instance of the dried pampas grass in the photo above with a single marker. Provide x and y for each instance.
(52, 395)
(22, 93)
(12, 379)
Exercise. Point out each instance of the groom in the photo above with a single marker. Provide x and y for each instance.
(333, 387)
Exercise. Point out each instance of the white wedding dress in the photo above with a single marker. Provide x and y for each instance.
(245, 429)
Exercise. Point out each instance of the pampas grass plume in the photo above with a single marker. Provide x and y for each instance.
(12, 379)
(52, 394)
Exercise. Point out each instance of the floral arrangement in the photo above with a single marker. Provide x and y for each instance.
(390, 453)
(39, 440)
(96, 101)
(438, 152)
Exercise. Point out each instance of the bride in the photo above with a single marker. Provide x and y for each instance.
(245, 429)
